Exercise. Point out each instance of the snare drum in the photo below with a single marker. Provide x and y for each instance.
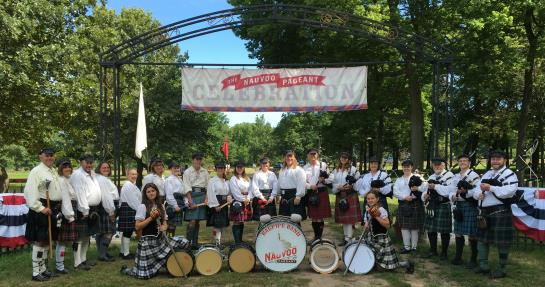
(324, 257)
(363, 261)
(208, 259)
(241, 258)
(186, 260)
(280, 244)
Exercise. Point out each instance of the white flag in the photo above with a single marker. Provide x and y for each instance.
(141, 134)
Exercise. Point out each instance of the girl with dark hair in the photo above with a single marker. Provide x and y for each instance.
(241, 210)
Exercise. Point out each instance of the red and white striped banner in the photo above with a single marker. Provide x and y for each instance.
(267, 90)
(529, 213)
(13, 211)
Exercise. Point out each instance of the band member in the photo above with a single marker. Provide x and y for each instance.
(377, 223)
(218, 197)
(498, 185)
(241, 210)
(153, 248)
(106, 211)
(375, 179)
(347, 204)
(292, 183)
(155, 176)
(195, 182)
(263, 190)
(89, 196)
(129, 201)
(410, 213)
(67, 231)
(462, 189)
(174, 190)
(438, 209)
(317, 195)
(42, 184)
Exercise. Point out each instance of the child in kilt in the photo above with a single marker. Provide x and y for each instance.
(377, 224)
(153, 248)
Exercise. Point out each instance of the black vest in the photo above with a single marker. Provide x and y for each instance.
(152, 228)
(377, 227)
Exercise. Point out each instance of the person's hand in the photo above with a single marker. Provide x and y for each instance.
(366, 226)
(229, 199)
(426, 196)
(485, 186)
(46, 211)
(409, 198)
(297, 200)
(414, 188)
(246, 201)
(218, 209)
(163, 227)
(154, 213)
(177, 209)
(112, 218)
(431, 186)
(270, 200)
(481, 197)
(313, 187)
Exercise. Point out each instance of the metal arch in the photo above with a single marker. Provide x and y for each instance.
(321, 18)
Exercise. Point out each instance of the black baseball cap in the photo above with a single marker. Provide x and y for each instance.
(310, 150)
(173, 164)
(219, 164)
(438, 160)
(47, 150)
(464, 155)
(346, 154)
(239, 163)
(407, 162)
(64, 161)
(374, 159)
(197, 155)
(498, 153)
(289, 151)
(87, 157)
(264, 160)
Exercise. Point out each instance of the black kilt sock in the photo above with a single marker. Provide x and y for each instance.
(474, 252)
(445, 241)
(320, 229)
(460, 241)
(316, 229)
(432, 237)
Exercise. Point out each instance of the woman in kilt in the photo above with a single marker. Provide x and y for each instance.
(438, 210)
(174, 191)
(106, 211)
(410, 213)
(463, 188)
(218, 194)
(347, 204)
(195, 181)
(377, 223)
(67, 231)
(155, 176)
(129, 200)
(291, 183)
(241, 210)
(153, 248)
(317, 192)
(263, 190)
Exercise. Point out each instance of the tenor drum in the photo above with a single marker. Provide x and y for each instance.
(208, 260)
(324, 257)
(364, 258)
(280, 245)
(185, 259)
(241, 258)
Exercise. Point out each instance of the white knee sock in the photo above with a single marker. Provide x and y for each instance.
(125, 241)
(347, 229)
(84, 247)
(37, 257)
(43, 262)
(414, 238)
(59, 256)
(406, 234)
(76, 251)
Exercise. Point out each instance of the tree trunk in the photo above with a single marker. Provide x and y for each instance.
(528, 89)
(380, 135)
(3, 180)
(417, 117)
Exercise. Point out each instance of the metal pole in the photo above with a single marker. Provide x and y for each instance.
(433, 136)
(118, 127)
(450, 85)
(447, 122)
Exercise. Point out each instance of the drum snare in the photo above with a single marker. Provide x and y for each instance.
(364, 259)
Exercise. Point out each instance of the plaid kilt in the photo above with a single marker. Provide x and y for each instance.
(220, 218)
(500, 226)
(105, 224)
(244, 215)
(197, 213)
(441, 222)
(270, 208)
(126, 221)
(410, 214)
(468, 226)
(68, 230)
(287, 207)
(37, 223)
(384, 250)
(152, 253)
(353, 214)
(323, 210)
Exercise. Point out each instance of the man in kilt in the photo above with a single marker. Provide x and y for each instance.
(438, 209)
(42, 183)
(195, 181)
(67, 231)
(218, 195)
(263, 190)
(463, 187)
(410, 213)
(89, 198)
(317, 192)
(498, 186)
(174, 190)
(129, 199)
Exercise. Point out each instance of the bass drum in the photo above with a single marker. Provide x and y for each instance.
(184, 258)
(364, 258)
(280, 245)
(324, 257)
(241, 258)
(208, 260)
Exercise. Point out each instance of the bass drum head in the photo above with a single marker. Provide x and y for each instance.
(321, 241)
(363, 261)
(324, 258)
(186, 260)
(280, 245)
(241, 258)
(208, 261)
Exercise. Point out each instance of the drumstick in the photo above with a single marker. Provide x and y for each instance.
(164, 236)
(354, 254)
(47, 182)
(198, 205)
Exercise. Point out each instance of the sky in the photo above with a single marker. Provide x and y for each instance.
(221, 47)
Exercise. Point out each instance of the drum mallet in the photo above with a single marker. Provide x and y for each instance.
(354, 254)
(164, 237)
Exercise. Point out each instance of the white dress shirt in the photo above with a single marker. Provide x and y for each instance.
(363, 185)
(262, 180)
(198, 178)
(216, 186)
(313, 172)
(470, 176)
(293, 178)
(68, 194)
(159, 181)
(402, 189)
(35, 186)
(87, 189)
(131, 194)
(338, 177)
(510, 185)
(239, 188)
(443, 189)
(108, 190)
(173, 184)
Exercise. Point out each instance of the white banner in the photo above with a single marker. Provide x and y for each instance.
(268, 90)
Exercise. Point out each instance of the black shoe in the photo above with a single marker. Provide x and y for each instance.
(64, 271)
(39, 278)
(344, 243)
(405, 251)
(430, 254)
(83, 267)
(128, 256)
(109, 256)
(410, 268)
(498, 274)
(457, 261)
(48, 274)
(479, 270)
(123, 269)
(471, 265)
(106, 259)
(89, 263)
